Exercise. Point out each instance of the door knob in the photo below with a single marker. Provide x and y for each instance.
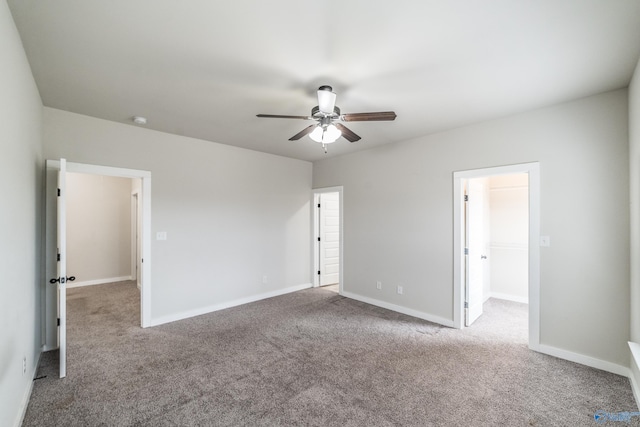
(483, 257)
(63, 280)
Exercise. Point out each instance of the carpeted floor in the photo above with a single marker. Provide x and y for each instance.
(309, 358)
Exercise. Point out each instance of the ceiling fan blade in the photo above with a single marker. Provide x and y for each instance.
(303, 132)
(279, 116)
(347, 133)
(369, 117)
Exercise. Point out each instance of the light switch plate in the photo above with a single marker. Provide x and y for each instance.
(545, 241)
(161, 235)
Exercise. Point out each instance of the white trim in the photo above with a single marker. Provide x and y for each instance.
(24, 403)
(98, 281)
(507, 297)
(584, 360)
(216, 307)
(635, 359)
(634, 388)
(533, 169)
(145, 191)
(316, 232)
(400, 309)
(635, 351)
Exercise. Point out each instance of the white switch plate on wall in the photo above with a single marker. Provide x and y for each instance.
(545, 241)
(161, 235)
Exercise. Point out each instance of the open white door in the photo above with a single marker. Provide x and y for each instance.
(329, 238)
(62, 267)
(474, 213)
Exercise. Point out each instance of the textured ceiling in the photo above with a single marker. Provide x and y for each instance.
(204, 69)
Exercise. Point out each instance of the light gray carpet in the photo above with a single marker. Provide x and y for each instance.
(309, 358)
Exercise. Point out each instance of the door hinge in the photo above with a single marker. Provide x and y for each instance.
(58, 257)
(58, 321)
(318, 239)
(318, 205)
(466, 251)
(58, 192)
(466, 305)
(318, 272)
(466, 197)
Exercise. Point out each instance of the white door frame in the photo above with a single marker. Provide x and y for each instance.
(145, 193)
(533, 170)
(315, 220)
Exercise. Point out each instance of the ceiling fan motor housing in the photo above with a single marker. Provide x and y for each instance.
(315, 112)
(326, 99)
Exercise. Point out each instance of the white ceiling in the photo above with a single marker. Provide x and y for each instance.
(205, 68)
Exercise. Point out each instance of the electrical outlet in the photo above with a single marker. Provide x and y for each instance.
(378, 285)
(400, 290)
(24, 365)
(265, 279)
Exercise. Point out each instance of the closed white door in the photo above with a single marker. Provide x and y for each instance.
(329, 243)
(474, 203)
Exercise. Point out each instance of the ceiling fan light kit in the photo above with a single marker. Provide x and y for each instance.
(326, 113)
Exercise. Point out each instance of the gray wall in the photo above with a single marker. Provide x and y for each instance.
(398, 217)
(231, 215)
(20, 222)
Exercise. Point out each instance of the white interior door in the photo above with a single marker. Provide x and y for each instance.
(475, 257)
(329, 238)
(135, 238)
(62, 267)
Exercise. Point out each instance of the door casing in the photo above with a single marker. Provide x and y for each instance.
(533, 170)
(49, 321)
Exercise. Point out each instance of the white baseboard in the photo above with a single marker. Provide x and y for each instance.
(400, 309)
(507, 297)
(98, 281)
(584, 360)
(22, 410)
(229, 304)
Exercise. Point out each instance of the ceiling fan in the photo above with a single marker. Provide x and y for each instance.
(327, 115)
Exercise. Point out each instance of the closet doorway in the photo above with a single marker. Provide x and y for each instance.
(327, 239)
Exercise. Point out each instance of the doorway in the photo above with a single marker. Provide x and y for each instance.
(473, 184)
(50, 336)
(496, 242)
(327, 238)
(101, 226)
